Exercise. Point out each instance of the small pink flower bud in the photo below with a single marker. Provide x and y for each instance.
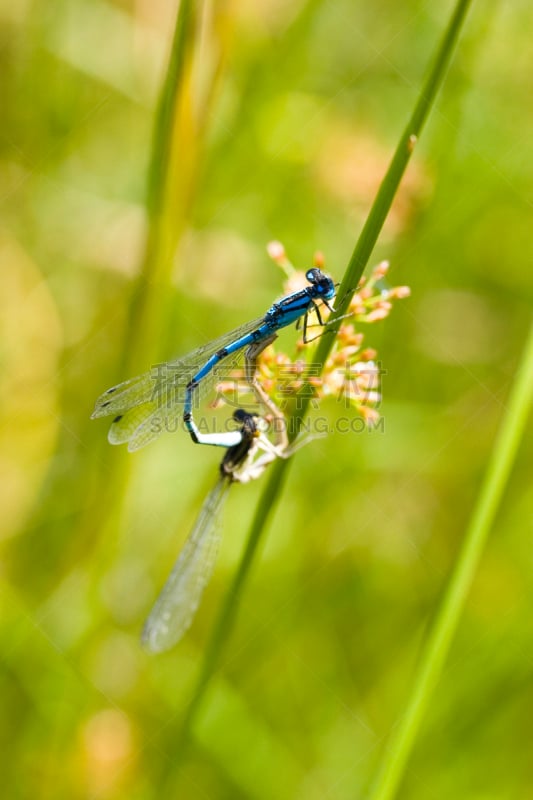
(399, 292)
(377, 314)
(381, 270)
(368, 354)
(369, 414)
(319, 260)
(277, 253)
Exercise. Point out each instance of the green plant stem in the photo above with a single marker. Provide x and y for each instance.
(162, 138)
(171, 184)
(105, 499)
(167, 200)
(356, 265)
(390, 183)
(445, 624)
(227, 614)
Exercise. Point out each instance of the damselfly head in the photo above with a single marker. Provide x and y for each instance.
(248, 422)
(323, 285)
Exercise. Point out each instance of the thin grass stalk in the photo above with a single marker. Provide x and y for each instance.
(106, 495)
(187, 96)
(445, 625)
(166, 199)
(389, 186)
(171, 183)
(226, 617)
(169, 100)
(361, 254)
(144, 321)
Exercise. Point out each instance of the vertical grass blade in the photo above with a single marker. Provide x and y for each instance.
(177, 142)
(227, 615)
(176, 146)
(357, 263)
(166, 201)
(445, 624)
(390, 183)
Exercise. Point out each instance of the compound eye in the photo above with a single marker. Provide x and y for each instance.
(312, 275)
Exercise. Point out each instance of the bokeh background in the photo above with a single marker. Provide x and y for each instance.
(294, 110)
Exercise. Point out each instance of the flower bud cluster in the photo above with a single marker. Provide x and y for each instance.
(351, 374)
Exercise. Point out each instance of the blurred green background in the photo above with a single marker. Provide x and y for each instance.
(300, 105)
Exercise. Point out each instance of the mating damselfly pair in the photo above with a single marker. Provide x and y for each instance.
(141, 404)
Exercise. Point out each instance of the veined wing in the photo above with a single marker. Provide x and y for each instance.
(146, 406)
(180, 597)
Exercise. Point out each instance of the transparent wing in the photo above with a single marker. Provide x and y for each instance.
(175, 607)
(146, 406)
